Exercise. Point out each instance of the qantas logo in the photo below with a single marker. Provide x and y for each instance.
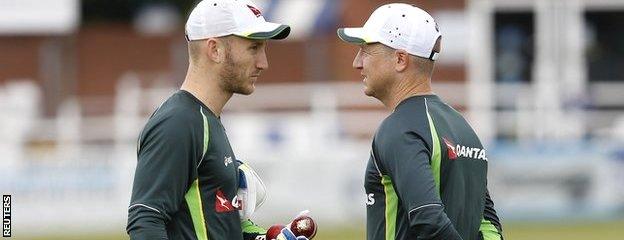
(450, 149)
(222, 204)
(255, 11)
(455, 151)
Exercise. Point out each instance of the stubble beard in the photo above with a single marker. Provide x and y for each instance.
(233, 78)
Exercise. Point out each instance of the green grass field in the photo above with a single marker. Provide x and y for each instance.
(513, 231)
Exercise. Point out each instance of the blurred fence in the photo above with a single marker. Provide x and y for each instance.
(310, 143)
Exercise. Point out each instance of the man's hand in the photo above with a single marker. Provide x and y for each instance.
(303, 226)
(286, 234)
(251, 231)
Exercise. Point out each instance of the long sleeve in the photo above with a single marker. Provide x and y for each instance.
(491, 228)
(147, 225)
(167, 160)
(405, 158)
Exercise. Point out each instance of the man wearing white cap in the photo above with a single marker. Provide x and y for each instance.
(188, 183)
(427, 173)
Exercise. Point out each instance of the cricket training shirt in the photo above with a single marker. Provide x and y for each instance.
(186, 176)
(427, 177)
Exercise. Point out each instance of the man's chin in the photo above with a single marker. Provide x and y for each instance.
(368, 92)
(246, 91)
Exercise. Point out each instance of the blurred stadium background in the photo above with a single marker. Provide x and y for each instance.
(542, 81)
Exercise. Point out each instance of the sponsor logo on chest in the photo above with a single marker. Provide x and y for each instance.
(457, 150)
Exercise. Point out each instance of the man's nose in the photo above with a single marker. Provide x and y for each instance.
(357, 62)
(262, 63)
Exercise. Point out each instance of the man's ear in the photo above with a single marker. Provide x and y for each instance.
(402, 59)
(215, 50)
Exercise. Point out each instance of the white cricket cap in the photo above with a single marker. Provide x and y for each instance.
(218, 18)
(399, 26)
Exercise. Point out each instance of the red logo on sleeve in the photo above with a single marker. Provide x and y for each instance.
(255, 10)
(222, 204)
(450, 149)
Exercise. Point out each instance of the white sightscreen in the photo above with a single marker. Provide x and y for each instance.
(23, 17)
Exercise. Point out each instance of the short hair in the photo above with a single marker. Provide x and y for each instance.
(194, 50)
(195, 47)
(423, 65)
(426, 65)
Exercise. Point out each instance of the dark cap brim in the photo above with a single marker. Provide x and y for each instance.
(280, 32)
(352, 35)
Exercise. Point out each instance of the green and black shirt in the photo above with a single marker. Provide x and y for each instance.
(186, 176)
(427, 177)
